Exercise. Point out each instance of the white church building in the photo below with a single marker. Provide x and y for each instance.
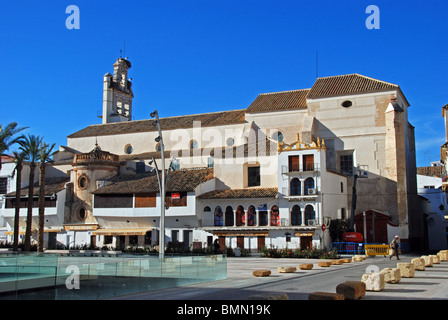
(274, 173)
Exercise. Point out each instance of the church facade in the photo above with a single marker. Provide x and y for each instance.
(275, 173)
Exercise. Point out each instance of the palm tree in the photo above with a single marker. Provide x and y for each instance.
(19, 159)
(30, 146)
(45, 156)
(7, 137)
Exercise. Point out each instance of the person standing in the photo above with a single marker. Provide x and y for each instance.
(216, 246)
(394, 246)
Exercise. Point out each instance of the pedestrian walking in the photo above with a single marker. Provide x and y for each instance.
(394, 248)
(216, 246)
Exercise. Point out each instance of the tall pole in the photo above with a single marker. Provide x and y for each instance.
(353, 209)
(161, 187)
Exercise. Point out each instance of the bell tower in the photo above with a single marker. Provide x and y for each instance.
(117, 93)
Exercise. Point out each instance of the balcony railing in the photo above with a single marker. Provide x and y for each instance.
(293, 192)
(311, 167)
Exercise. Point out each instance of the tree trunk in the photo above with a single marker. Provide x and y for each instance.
(40, 241)
(17, 206)
(29, 214)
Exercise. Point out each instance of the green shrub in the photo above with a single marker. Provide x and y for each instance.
(313, 253)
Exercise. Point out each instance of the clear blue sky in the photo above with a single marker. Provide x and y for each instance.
(194, 56)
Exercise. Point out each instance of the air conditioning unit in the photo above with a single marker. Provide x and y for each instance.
(312, 191)
(312, 222)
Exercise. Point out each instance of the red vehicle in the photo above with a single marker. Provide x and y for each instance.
(352, 237)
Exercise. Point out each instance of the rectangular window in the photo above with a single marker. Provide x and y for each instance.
(210, 162)
(346, 164)
(3, 185)
(174, 236)
(133, 240)
(148, 236)
(50, 202)
(176, 199)
(108, 239)
(145, 200)
(114, 201)
(253, 176)
(294, 163)
(308, 162)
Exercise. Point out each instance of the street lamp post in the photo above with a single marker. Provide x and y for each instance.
(162, 182)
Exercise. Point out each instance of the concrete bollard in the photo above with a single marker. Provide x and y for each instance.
(391, 275)
(352, 290)
(443, 255)
(324, 264)
(306, 266)
(287, 269)
(359, 258)
(428, 261)
(419, 264)
(374, 281)
(435, 258)
(407, 270)
(261, 273)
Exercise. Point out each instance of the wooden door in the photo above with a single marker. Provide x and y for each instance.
(222, 243)
(240, 242)
(261, 242)
(305, 242)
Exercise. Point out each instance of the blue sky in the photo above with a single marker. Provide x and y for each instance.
(194, 56)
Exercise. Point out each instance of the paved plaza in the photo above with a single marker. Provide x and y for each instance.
(241, 285)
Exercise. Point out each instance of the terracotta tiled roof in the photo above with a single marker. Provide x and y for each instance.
(240, 193)
(177, 181)
(279, 101)
(432, 171)
(347, 84)
(169, 123)
(52, 186)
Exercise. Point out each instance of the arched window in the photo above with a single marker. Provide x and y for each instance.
(251, 216)
(309, 214)
(295, 187)
(207, 209)
(277, 135)
(229, 216)
(275, 219)
(218, 216)
(309, 184)
(240, 216)
(194, 144)
(296, 216)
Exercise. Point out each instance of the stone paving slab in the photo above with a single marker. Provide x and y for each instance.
(240, 284)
